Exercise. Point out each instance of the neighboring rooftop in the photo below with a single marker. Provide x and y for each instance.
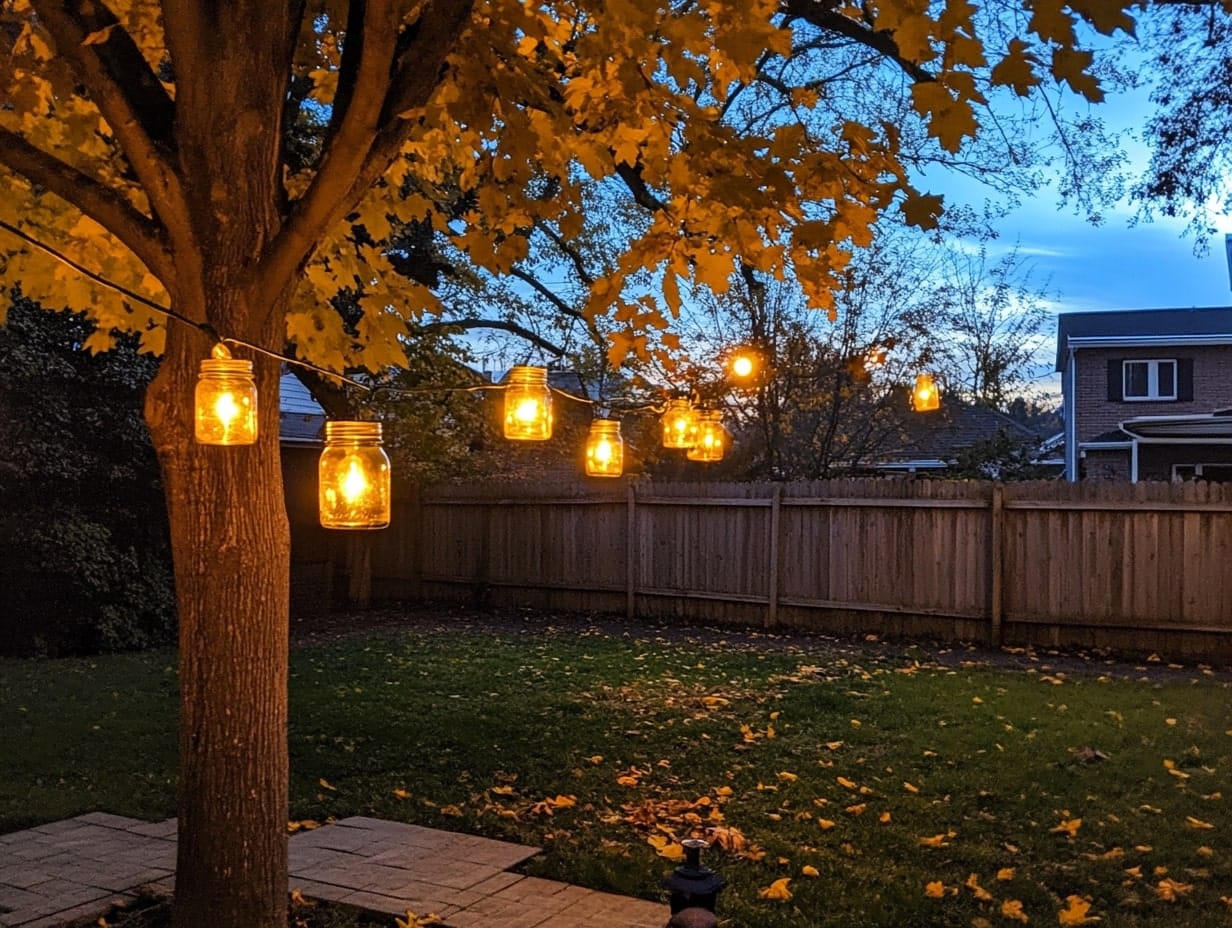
(942, 434)
(1124, 327)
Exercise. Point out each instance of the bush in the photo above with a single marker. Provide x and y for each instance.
(85, 560)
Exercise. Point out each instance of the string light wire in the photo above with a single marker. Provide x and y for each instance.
(373, 390)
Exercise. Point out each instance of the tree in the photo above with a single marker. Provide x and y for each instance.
(149, 142)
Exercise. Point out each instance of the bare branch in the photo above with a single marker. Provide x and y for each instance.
(128, 94)
(101, 203)
(642, 193)
(567, 249)
(445, 325)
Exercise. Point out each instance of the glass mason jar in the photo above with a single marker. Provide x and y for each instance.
(679, 424)
(528, 404)
(353, 477)
(605, 450)
(225, 403)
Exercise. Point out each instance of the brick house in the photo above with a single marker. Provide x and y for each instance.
(1147, 394)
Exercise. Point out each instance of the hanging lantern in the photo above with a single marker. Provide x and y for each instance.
(225, 401)
(711, 437)
(925, 397)
(605, 450)
(528, 405)
(746, 366)
(679, 424)
(353, 475)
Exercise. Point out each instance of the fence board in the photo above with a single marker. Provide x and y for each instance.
(1111, 564)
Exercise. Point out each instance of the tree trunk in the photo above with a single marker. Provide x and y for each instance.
(231, 547)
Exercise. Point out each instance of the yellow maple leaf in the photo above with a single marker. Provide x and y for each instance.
(834, 745)
(809, 870)
(1012, 909)
(1198, 823)
(825, 824)
(787, 777)
(1075, 912)
(910, 787)
(666, 847)
(451, 810)
(857, 809)
(325, 784)
(416, 921)
(777, 890)
(934, 890)
(501, 790)
(845, 783)
(297, 899)
(937, 840)
(884, 818)
(401, 794)
(1005, 874)
(596, 759)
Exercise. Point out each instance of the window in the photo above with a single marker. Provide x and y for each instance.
(1149, 380)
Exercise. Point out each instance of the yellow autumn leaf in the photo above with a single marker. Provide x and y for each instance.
(825, 824)
(596, 759)
(934, 890)
(1012, 909)
(1198, 823)
(325, 784)
(777, 890)
(1005, 874)
(857, 809)
(665, 847)
(298, 900)
(885, 818)
(1068, 827)
(501, 790)
(401, 794)
(1170, 890)
(451, 810)
(787, 777)
(416, 921)
(835, 745)
(809, 870)
(563, 802)
(845, 783)
(627, 780)
(980, 893)
(936, 840)
(1075, 913)
(910, 787)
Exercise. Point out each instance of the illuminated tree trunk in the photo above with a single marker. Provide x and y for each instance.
(231, 546)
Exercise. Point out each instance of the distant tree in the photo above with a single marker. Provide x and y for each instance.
(78, 573)
(988, 323)
(1187, 52)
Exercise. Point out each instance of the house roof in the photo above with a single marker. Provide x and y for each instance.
(301, 418)
(1144, 327)
(942, 434)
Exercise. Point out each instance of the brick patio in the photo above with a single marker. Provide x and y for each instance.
(72, 871)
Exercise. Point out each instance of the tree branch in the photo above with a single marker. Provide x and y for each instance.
(539, 287)
(826, 17)
(101, 203)
(504, 325)
(569, 252)
(128, 94)
(363, 150)
(642, 194)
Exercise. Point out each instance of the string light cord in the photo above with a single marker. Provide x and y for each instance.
(374, 391)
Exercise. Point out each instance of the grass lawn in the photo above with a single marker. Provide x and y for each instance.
(886, 787)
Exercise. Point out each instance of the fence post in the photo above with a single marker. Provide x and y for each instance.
(630, 551)
(996, 560)
(772, 599)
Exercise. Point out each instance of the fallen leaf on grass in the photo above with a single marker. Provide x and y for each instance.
(1005, 874)
(325, 784)
(1068, 827)
(401, 794)
(1012, 909)
(935, 890)
(666, 847)
(1075, 913)
(416, 921)
(1197, 823)
(940, 840)
(1170, 890)
(980, 893)
(809, 870)
(777, 890)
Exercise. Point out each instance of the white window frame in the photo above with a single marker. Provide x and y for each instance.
(1152, 380)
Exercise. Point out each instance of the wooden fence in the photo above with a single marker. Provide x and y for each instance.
(1142, 567)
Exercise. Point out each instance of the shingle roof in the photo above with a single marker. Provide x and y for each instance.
(955, 427)
(1140, 323)
(301, 418)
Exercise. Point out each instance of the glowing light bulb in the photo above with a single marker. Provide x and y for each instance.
(605, 449)
(527, 410)
(354, 485)
(225, 401)
(743, 366)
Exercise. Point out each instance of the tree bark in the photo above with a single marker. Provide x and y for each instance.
(231, 548)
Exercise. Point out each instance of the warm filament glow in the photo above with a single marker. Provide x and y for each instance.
(925, 397)
(353, 476)
(528, 404)
(528, 410)
(711, 438)
(679, 424)
(225, 401)
(354, 485)
(743, 366)
(605, 450)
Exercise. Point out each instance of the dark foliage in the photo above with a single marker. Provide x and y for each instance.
(85, 562)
